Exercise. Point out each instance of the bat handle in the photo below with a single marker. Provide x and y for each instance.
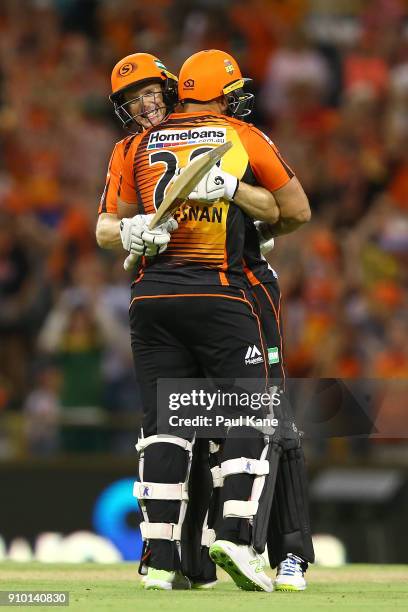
(130, 261)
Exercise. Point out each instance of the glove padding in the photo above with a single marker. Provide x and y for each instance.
(266, 241)
(140, 241)
(156, 240)
(130, 233)
(214, 185)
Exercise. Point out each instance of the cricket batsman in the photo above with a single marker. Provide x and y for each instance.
(221, 272)
(289, 535)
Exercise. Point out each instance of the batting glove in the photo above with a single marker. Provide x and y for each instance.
(214, 185)
(156, 240)
(140, 241)
(131, 234)
(266, 241)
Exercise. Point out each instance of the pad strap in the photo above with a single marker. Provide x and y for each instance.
(142, 443)
(158, 490)
(235, 508)
(243, 465)
(160, 531)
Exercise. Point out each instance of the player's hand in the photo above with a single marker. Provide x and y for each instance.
(214, 185)
(131, 234)
(266, 241)
(139, 240)
(157, 239)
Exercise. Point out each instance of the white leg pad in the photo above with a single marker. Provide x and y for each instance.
(145, 491)
(242, 465)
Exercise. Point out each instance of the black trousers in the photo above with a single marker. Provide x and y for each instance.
(267, 302)
(289, 527)
(187, 332)
(181, 331)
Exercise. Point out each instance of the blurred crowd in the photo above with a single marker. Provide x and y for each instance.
(331, 85)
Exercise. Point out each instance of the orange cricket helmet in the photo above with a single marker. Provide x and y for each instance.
(137, 69)
(210, 74)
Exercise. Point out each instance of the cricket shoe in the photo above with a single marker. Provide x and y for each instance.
(243, 564)
(163, 580)
(204, 586)
(291, 574)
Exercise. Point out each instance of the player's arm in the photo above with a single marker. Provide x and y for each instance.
(108, 231)
(277, 200)
(257, 202)
(117, 226)
(294, 209)
(286, 208)
(108, 223)
(272, 172)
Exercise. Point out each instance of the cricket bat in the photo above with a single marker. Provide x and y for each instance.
(181, 189)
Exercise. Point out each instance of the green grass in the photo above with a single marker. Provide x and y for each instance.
(116, 587)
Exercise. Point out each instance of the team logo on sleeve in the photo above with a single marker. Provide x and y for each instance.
(162, 139)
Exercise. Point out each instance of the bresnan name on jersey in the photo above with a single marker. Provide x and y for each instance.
(212, 214)
(193, 136)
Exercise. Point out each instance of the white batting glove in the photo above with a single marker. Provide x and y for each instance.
(214, 185)
(266, 241)
(151, 246)
(131, 233)
(139, 240)
(156, 240)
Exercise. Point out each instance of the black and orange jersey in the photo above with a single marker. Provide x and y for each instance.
(256, 267)
(208, 246)
(112, 190)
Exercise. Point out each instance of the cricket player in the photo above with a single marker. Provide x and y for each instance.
(144, 92)
(290, 545)
(289, 537)
(216, 272)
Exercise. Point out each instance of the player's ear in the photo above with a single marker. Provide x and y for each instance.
(223, 104)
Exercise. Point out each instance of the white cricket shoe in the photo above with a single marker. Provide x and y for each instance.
(162, 580)
(243, 564)
(290, 574)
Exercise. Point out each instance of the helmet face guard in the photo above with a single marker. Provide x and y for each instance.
(167, 102)
(134, 71)
(123, 111)
(240, 103)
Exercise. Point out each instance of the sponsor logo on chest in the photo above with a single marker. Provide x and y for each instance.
(193, 136)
